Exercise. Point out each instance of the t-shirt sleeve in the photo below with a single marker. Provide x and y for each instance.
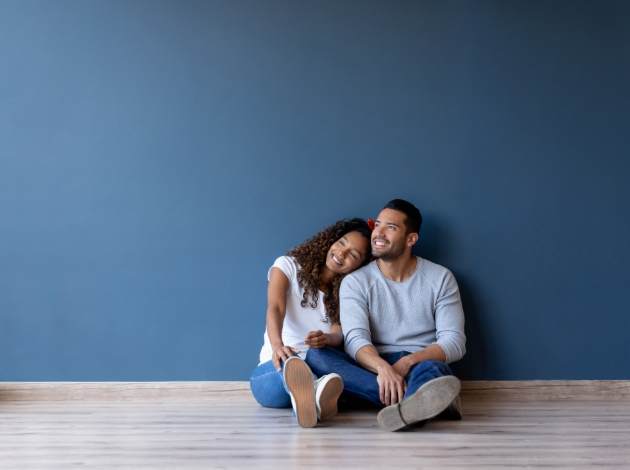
(354, 315)
(449, 320)
(287, 265)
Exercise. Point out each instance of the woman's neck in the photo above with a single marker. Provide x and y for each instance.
(327, 276)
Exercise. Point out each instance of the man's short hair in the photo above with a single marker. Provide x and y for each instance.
(413, 221)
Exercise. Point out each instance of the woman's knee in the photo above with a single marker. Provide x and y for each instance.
(267, 387)
(269, 391)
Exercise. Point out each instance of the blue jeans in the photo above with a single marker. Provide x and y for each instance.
(268, 386)
(361, 383)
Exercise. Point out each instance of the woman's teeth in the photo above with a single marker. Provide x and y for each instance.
(336, 260)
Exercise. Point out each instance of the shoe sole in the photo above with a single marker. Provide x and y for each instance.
(428, 401)
(458, 409)
(329, 397)
(300, 383)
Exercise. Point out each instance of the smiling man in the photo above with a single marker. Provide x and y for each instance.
(403, 323)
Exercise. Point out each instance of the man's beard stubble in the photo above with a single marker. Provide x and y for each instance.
(393, 253)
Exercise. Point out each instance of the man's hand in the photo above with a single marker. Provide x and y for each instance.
(391, 385)
(403, 366)
(316, 339)
(282, 353)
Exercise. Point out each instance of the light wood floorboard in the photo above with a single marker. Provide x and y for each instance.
(238, 433)
(528, 390)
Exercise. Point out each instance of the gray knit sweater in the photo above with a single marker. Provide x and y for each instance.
(403, 316)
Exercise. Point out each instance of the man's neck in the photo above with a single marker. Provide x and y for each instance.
(399, 269)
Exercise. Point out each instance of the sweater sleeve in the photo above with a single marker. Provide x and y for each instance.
(353, 311)
(449, 320)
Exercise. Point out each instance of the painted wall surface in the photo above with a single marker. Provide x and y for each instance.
(157, 156)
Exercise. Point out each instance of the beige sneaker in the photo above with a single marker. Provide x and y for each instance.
(299, 379)
(327, 391)
(428, 401)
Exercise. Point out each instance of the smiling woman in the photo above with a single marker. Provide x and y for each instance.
(303, 313)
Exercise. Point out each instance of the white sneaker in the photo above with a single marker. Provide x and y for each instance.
(327, 391)
(299, 379)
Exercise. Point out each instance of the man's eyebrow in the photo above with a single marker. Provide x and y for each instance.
(387, 223)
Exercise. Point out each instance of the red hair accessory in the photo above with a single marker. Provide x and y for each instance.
(371, 224)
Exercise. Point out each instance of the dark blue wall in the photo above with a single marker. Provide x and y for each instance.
(156, 157)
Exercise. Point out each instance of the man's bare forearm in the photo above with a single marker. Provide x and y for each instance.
(391, 385)
(368, 357)
(434, 351)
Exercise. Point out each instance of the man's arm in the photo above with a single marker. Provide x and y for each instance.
(355, 320)
(354, 315)
(391, 384)
(404, 364)
(449, 325)
(449, 320)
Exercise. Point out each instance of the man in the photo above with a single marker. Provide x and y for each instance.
(403, 323)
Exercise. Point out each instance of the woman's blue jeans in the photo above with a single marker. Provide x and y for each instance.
(268, 386)
(361, 383)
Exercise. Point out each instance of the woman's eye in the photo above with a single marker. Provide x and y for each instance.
(353, 255)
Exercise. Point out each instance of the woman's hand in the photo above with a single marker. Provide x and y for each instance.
(316, 339)
(282, 353)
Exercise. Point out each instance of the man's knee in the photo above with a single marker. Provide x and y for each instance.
(315, 355)
(319, 359)
(438, 368)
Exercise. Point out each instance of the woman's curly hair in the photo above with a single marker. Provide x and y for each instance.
(311, 259)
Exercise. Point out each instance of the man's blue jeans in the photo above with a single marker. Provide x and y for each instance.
(268, 386)
(361, 383)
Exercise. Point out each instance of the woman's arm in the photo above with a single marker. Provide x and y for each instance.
(276, 310)
(318, 339)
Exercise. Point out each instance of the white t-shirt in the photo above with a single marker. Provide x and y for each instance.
(298, 320)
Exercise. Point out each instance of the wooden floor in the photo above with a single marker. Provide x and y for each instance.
(238, 433)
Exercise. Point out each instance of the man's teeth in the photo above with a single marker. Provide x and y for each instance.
(379, 243)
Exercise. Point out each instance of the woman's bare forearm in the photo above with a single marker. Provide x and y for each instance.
(275, 320)
(335, 340)
(276, 306)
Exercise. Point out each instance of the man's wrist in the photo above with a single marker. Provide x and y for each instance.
(412, 360)
(382, 367)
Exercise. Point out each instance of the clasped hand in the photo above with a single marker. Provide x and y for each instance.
(316, 339)
(391, 381)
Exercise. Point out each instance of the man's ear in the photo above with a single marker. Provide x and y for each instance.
(412, 238)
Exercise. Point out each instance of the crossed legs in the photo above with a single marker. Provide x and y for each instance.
(431, 386)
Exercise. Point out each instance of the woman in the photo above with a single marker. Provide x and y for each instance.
(303, 312)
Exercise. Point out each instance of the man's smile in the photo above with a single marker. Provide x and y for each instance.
(380, 242)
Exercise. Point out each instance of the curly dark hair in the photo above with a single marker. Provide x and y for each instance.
(311, 258)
